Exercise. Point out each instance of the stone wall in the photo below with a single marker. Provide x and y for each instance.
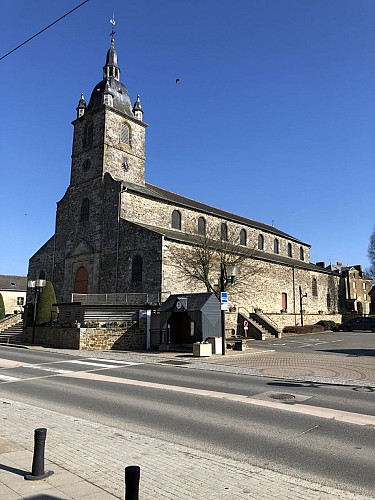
(155, 212)
(261, 284)
(89, 338)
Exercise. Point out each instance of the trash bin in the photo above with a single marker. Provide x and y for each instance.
(200, 349)
(217, 345)
(240, 345)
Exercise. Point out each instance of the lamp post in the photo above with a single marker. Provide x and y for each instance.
(301, 297)
(35, 286)
(228, 273)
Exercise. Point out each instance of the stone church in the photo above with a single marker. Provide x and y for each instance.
(116, 233)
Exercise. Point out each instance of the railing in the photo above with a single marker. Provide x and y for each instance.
(121, 298)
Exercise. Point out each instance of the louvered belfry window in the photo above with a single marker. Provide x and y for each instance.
(125, 134)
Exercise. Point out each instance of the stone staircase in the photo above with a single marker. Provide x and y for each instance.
(12, 334)
(261, 327)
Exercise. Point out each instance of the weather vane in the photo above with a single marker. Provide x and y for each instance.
(113, 22)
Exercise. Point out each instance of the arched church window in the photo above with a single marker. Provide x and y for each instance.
(125, 134)
(224, 232)
(202, 226)
(261, 242)
(81, 280)
(243, 237)
(176, 219)
(276, 246)
(314, 287)
(85, 210)
(290, 251)
(301, 253)
(137, 267)
(42, 275)
(89, 134)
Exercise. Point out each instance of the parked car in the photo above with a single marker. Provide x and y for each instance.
(359, 323)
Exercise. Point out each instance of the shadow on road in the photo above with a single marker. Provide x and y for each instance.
(316, 385)
(351, 352)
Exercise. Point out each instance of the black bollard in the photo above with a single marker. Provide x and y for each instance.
(38, 471)
(132, 476)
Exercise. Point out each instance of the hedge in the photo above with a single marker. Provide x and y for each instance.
(304, 329)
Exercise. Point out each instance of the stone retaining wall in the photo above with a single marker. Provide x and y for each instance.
(88, 338)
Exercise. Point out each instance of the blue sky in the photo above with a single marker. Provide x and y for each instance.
(273, 117)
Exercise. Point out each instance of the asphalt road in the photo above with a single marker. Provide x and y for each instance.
(346, 343)
(205, 410)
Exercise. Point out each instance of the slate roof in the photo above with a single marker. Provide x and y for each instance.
(155, 192)
(13, 283)
(176, 235)
(195, 301)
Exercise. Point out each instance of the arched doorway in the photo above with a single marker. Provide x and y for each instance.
(81, 280)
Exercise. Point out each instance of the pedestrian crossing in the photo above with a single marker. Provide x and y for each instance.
(18, 371)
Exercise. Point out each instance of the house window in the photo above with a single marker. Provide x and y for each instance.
(125, 134)
(81, 280)
(243, 237)
(284, 301)
(365, 296)
(85, 210)
(137, 266)
(89, 134)
(202, 226)
(261, 242)
(314, 287)
(276, 246)
(42, 275)
(301, 253)
(20, 301)
(290, 251)
(224, 232)
(176, 219)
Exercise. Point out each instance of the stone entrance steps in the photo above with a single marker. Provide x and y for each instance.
(13, 334)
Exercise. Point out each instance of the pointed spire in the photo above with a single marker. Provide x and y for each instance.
(137, 109)
(111, 68)
(81, 107)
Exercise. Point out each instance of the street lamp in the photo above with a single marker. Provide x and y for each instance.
(228, 273)
(301, 297)
(35, 286)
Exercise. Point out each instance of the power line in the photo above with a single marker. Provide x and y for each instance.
(44, 29)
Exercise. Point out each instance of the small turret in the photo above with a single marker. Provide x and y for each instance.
(137, 109)
(81, 108)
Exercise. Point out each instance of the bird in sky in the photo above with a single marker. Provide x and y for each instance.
(177, 80)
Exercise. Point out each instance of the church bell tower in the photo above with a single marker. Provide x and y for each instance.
(109, 133)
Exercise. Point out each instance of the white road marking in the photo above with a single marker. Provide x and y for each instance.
(9, 363)
(329, 413)
(128, 363)
(99, 365)
(47, 368)
(5, 378)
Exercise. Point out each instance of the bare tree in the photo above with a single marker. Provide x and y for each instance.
(200, 259)
(371, 256)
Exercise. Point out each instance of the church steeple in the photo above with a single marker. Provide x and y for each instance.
(81, 107)
(111, 68)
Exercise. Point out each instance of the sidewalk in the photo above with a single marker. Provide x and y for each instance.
(89, 459)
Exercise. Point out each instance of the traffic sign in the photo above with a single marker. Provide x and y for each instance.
(223, 297)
